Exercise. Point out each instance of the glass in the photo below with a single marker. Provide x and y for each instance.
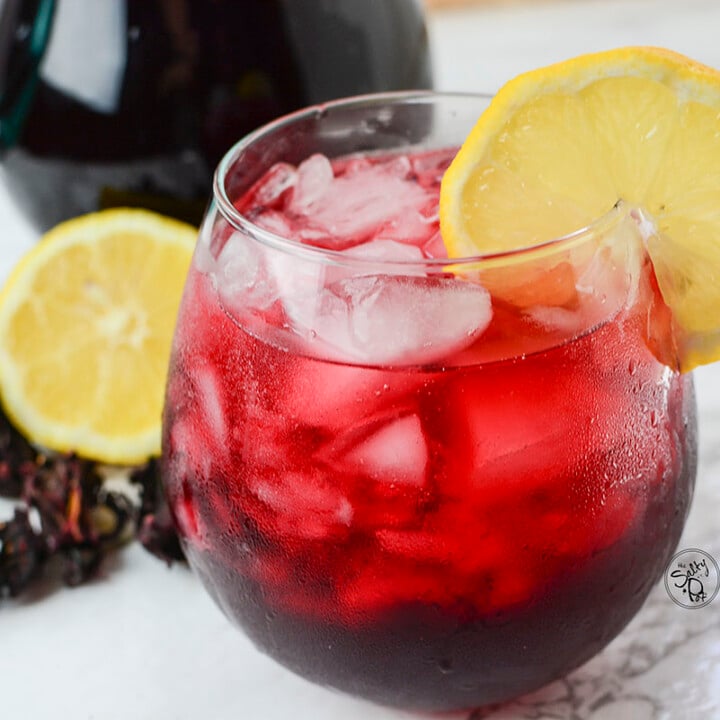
(172, 84)
(434, 484)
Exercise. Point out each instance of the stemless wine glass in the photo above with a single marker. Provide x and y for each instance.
(431, 483)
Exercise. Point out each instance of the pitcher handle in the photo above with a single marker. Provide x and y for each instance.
(25, 27)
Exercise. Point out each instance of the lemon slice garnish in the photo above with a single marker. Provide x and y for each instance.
(559, 146)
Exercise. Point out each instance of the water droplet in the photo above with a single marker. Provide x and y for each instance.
(445, 666)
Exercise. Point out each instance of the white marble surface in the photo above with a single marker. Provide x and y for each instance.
(146, 642)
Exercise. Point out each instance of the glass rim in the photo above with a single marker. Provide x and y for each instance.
(338, 257)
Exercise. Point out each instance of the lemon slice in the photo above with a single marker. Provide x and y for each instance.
(559, 146)
(86, 322)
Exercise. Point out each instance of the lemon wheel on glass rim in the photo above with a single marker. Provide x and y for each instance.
(564, 143)
(86, 323)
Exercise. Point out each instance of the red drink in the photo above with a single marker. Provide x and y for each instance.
(431, 486)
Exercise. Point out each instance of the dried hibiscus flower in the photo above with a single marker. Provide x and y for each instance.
(66, 513)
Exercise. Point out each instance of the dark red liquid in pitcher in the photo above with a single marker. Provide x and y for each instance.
(134, 104)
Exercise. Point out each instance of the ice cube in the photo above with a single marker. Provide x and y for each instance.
(298, 281)
(209, 401)
(351, 165)
(204, 257)
(188, 455)
(387, 320)
(435, 247)
(518, 425)
(268, 192)
(569, 323)
(412, 227)
(396, 453)
(386, 250)
(275, 222)
(242, 278)
(610, 280)
(314, 177)
(429, 167)
(314, 236)
(606, 283)
(352, 207)
(301, 281)
(398, 166)
(307, 505)
(337, 396)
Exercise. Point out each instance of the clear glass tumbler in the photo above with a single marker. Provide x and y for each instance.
(434, 483)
